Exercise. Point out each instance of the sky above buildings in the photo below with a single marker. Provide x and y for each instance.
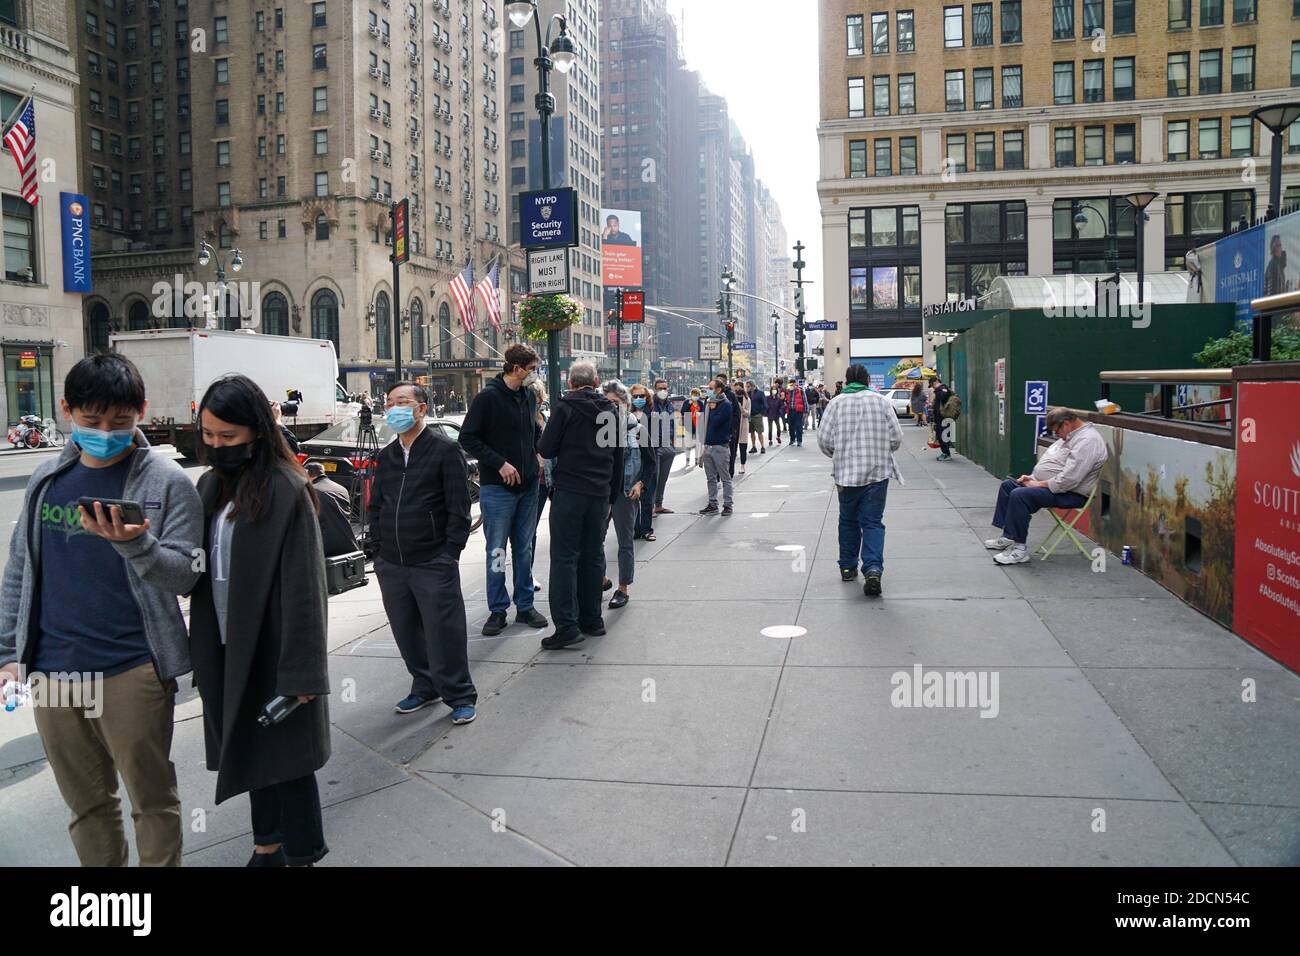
(762, 56)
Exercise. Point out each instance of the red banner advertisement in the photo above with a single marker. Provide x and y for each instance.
(1266, 579)
(401, 248)
(633, 306)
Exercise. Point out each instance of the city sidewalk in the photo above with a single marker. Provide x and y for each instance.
(687, 736)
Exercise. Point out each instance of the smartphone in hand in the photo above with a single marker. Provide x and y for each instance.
(132, 512)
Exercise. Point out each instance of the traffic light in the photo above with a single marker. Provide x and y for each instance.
(798, 299)
(722, 308)
(811, 364)
(798, 327)
(798, 347)
(731, 328)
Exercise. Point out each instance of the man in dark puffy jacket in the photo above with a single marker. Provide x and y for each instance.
(775, 414)
(582, 436)
(717, 429)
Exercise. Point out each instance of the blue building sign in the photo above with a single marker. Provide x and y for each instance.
(1035, 398)
(548, 218)
(74, 216)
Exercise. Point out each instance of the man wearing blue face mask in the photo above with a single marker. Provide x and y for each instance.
(89, 611)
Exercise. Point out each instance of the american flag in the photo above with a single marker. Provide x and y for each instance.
(21, 139)
(489, 290)
(460, 291)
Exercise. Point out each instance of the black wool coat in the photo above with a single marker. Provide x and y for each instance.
(275, 642)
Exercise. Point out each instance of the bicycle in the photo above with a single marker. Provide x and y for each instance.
(32, 432)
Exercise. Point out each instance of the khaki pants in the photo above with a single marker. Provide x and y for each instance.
(132, 736)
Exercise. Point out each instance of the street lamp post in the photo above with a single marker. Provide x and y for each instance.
(1139, 201)
(1276, 119)
(728, 285)
(558, 54)
(234, 258)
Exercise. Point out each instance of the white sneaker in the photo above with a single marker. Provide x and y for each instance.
(1016, 554)
(998, 544)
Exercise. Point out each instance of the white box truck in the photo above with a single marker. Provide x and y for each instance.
(178, 365)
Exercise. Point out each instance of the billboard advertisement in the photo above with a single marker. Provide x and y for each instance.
(1262, 260)
(620, 247)
(74, 214)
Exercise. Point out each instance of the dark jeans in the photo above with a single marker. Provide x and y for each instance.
(1017, 504)
(427, 614)
(577, 560)
(289, 813)
(796, 428)
(666, 456)
(862, 532)
(645, 516)
(774, 426)
(740, 444)
(507, 516)
(941, 428)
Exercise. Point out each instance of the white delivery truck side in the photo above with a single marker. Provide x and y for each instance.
(178, 365)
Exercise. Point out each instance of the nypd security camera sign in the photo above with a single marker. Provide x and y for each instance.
(548, 218)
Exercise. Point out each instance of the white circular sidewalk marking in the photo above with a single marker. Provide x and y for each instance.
(756, 514)
(780, 486)
(789, 547)
(784, 631)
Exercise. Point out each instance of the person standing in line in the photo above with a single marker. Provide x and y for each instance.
(691, 424)
(740, 426)
(638, 465)
(918, 405)
(581, 436)
(823, 400)
(663, 437)
(797, 402)
(943, 426)
(501, 433)
(757, 414)
(810, 395)
(543, 475)
(258, 622)
(860, 434)
(716, 428)
(85, 592)
(336, 531)
(419, 523)
(641, 411)
(775, 406)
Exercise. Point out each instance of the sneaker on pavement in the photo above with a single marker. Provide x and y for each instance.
(495, 624)
(412, 703)
(943, 458)
(1000, 543)
(848, 574)
(464, 714)
(559, 641)
(871, 588)
(532, 617)
(726, 512)
(1016, 554)
(712, 509)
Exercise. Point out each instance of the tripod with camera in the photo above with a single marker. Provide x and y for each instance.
(366, 459)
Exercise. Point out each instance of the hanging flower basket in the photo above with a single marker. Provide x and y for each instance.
(539, 314)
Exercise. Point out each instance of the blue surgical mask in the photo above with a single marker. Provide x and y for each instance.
(400, 418)
(101, 444)
(638, 403)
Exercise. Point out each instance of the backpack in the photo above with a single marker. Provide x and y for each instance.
(952, 407)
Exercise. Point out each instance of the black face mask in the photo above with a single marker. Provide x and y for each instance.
(229, 459)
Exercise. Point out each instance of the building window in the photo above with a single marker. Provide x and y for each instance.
(1178, 140)
(1094, 145)
(322, 184)
(1062, 19)
(1243, 68)
(222, 70)
(1013, 149)
(319, 99)
(957, 152)
(275, 307)
(857, 158)
(324, 314)
(1209, 144)
(953, 27)
(884, 158)
(219, 29)
(986, 152)
(1011, 22)
(223, 153)
(907, 155)
(981, 24)
(318, 56)
(1065, 155)
(1176, 72)
(857, 97)
(1295, 63)
(1242, 137)
(1211, 13)
(1094, 81)
(1124, 85)
(1012, 79)
(1094, 17)
(322, 141)
(1243, 11)
(982, 87)
(879, 33)
(954, 86)
(1063, 83)
(853, 29)
(322, 228)
(1180, 14)
(221, 112)
(906, 93)
(317, 15)
(20, 239)
(223, 194)
(383, 329)
(1210, 74)
(880, 96)
(1125, 143)
(1124, 17)
(906, 31)
(857, 229)
(884, 228)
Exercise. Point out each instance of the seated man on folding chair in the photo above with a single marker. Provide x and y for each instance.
(1063, 478)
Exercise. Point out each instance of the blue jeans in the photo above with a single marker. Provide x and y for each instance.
(509, 518)
(862, 530)
(796, 428)
(1016, 504)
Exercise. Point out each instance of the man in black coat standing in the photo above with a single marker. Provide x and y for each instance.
(582, 436)
(419, 524)
(501, 433)
(943, 427)
(335, 512)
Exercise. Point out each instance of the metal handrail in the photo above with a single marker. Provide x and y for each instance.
(1273, 304)
(1203, 376)
(1262, 311)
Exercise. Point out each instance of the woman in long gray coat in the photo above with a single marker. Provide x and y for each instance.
(258, 624)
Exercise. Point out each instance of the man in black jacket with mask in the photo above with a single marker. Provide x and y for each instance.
(501, 433)
(582, 436)
(419, 525)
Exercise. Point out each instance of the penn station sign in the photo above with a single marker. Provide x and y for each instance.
(948, 308)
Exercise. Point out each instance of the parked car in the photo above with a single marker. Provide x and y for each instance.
(342, 449)
(901, 399)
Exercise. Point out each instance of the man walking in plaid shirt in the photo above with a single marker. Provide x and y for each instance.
(859, 432)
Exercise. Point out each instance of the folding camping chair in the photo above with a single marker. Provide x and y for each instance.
(1065, 529)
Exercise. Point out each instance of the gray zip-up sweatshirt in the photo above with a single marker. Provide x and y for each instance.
(160, 563)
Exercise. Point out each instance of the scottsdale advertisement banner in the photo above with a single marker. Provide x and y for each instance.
(620, 248)
(1261, 260)
(1266, 591)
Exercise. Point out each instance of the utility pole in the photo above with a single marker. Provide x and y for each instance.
(776, 345)
(724, 307)
(618, 342)
(799, 266)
